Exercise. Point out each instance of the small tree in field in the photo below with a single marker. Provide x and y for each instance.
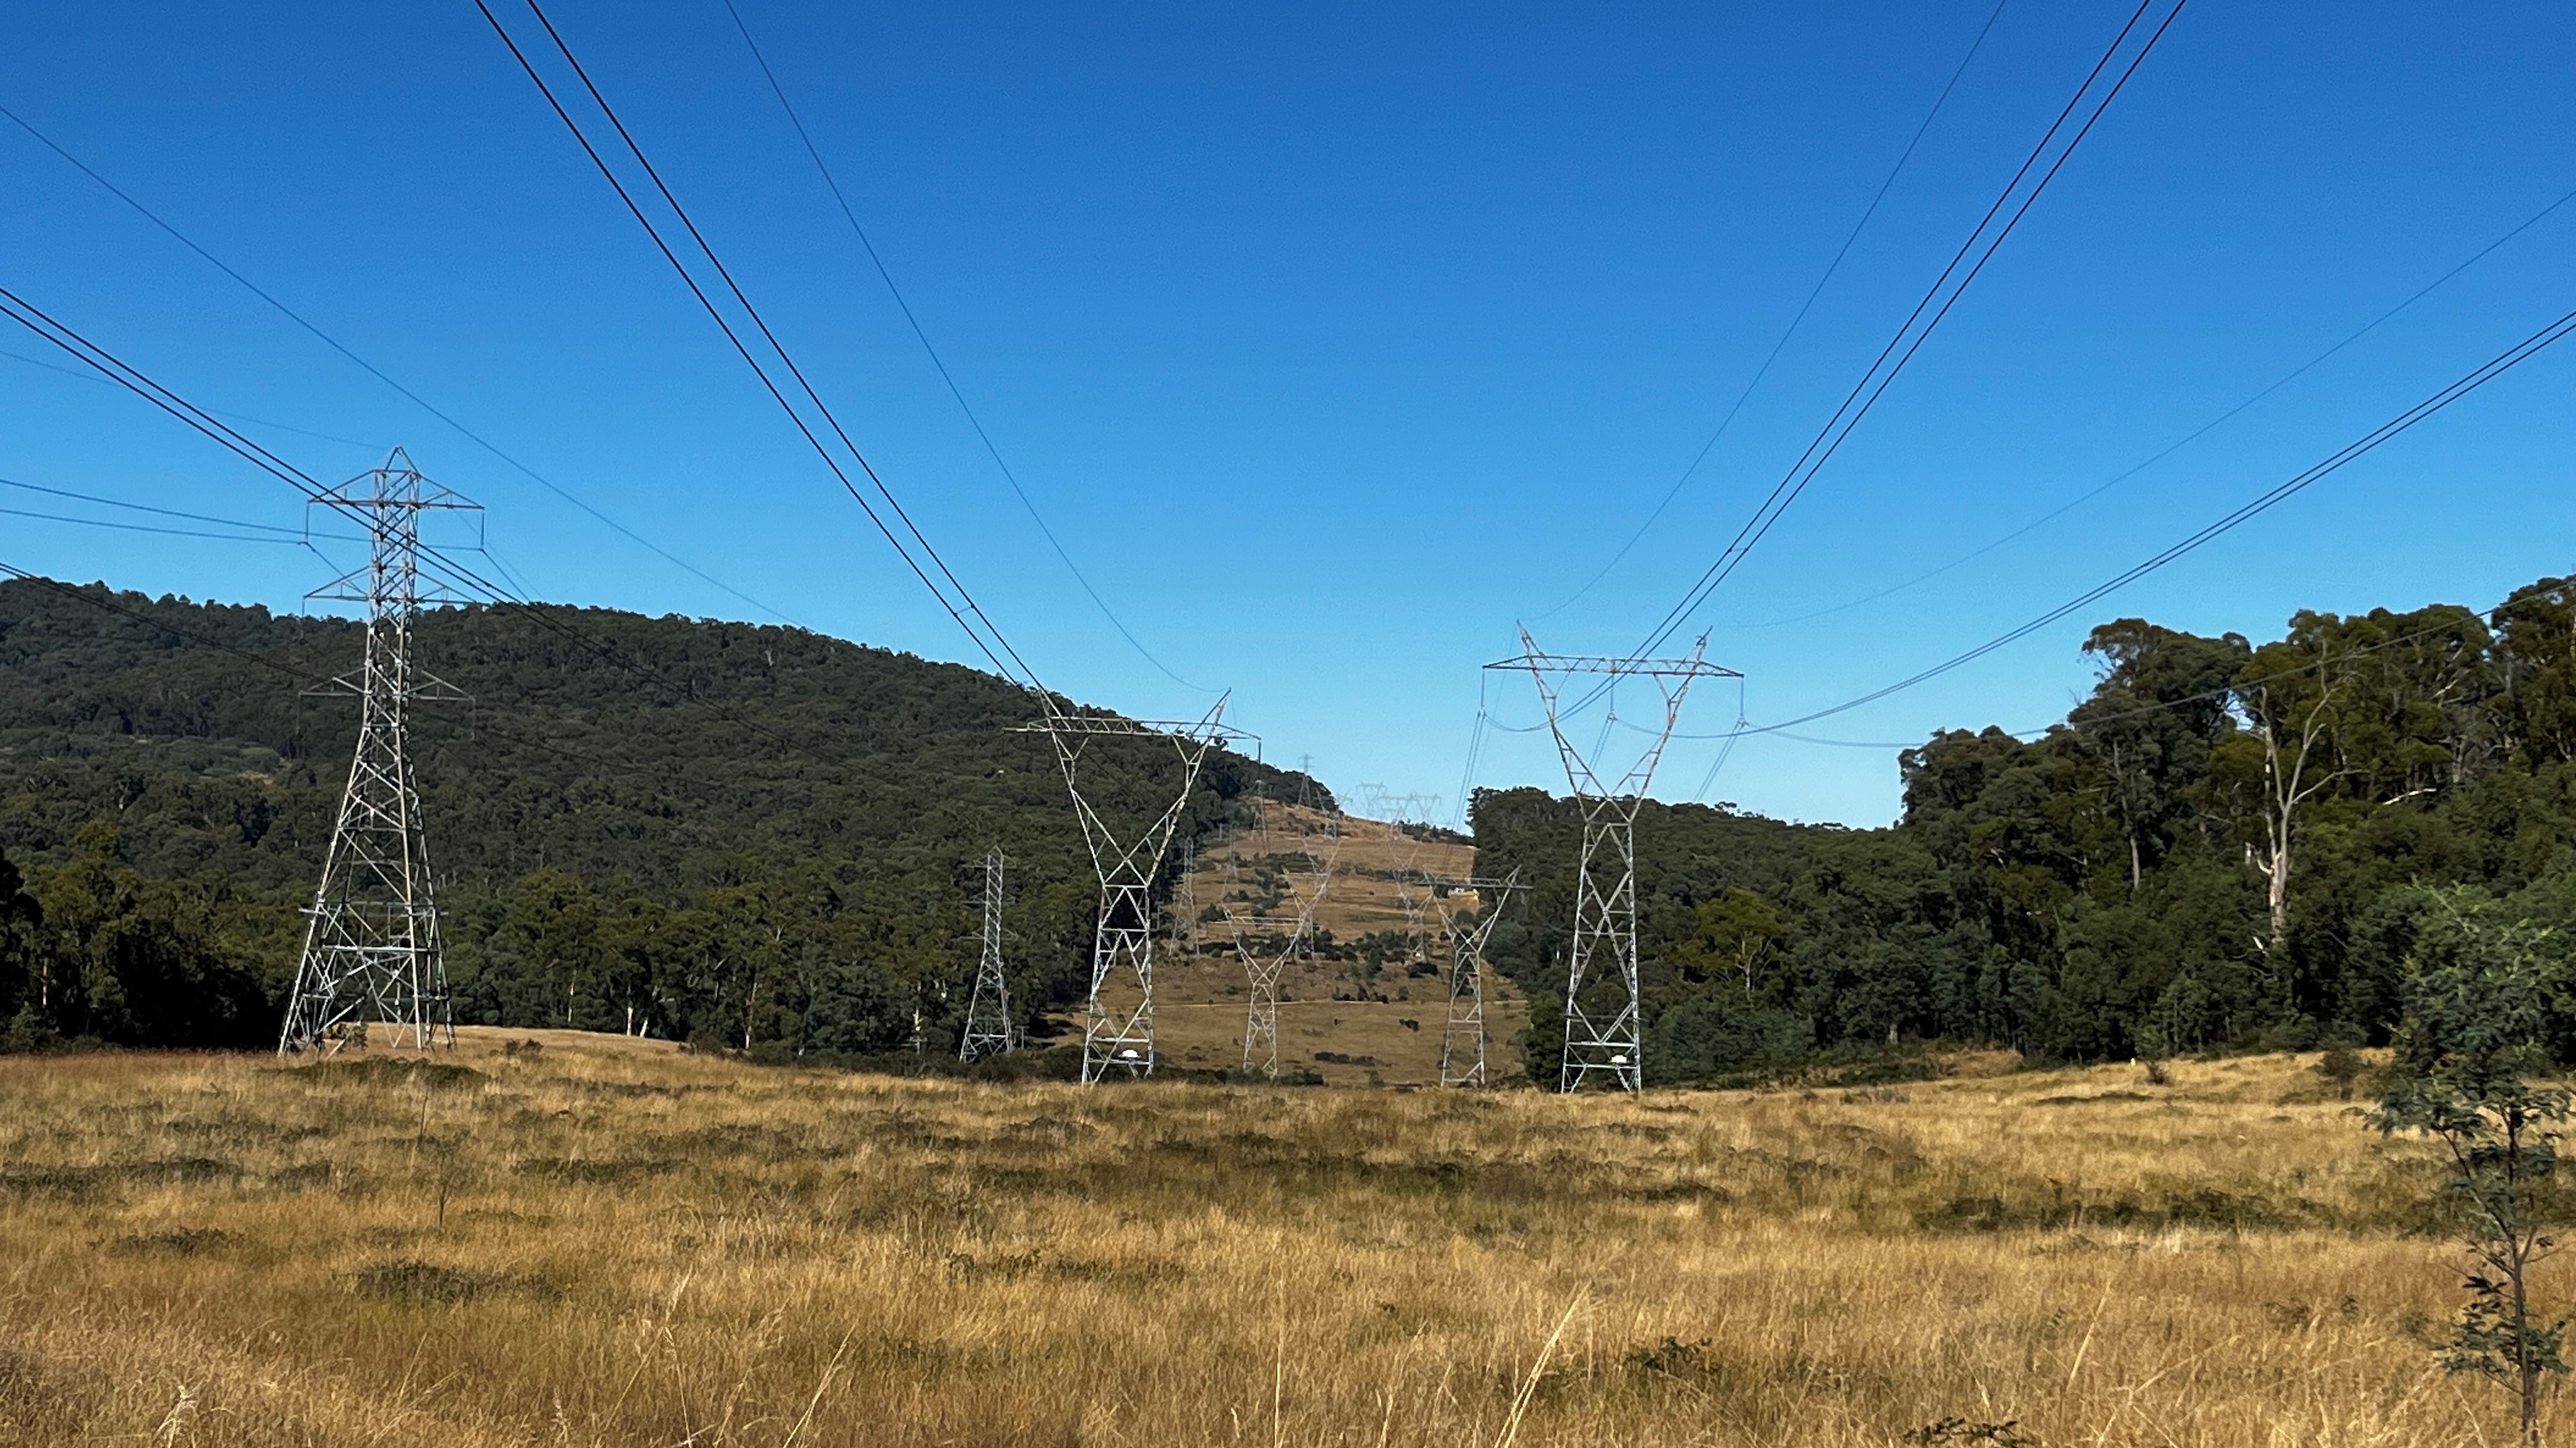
(2469, 1063)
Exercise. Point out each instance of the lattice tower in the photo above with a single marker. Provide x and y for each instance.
(1263, 966)
(1602, 1016)
(371, 942)
(1404, 854)
(1118, 1014)
(1462, 1038)
(988, 1011)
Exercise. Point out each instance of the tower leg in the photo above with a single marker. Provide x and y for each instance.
(1118, 1019)
(1602, 1038)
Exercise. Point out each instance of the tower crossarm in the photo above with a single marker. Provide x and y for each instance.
(1534, 660)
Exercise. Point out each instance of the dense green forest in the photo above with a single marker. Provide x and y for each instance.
(763, 837)
(2230, 844)
(712, 831)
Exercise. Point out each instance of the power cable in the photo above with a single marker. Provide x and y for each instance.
(291, 534)
(987, 638)
(940, 364)
(2486, 372)
(312, 679)
(439, 564)
(2205, 695)
(1475, 750)
(1791, 330)
(1908, 339)
(304, 676)
(26, 314)
(2184, 441)
(1725, 751)
(380, 375)
(2159, 706)
(217, 411)
(150, 528)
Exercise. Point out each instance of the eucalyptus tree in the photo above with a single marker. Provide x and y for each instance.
(2473, 1074)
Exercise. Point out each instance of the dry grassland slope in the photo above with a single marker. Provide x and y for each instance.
(1335, 1019)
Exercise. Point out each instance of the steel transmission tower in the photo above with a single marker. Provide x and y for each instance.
(1404, 849)
(1602, 1030)
(1118, 1015)
(1462, 1038)
(371, 941)
(988, 1012)
(1262, 971)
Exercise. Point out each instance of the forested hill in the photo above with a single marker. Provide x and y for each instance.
(2230, 844)
(758, 835)
(753, 833)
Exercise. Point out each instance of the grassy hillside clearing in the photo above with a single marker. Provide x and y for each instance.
(1341, 1019)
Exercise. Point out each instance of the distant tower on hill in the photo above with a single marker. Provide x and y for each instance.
(988, 1014)
(1263, 969)
(1462, 1037)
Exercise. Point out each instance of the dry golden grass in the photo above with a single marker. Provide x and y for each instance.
(612, 1243)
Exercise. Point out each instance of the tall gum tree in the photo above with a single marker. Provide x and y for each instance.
(2160, 704)
(2536, 652)
(2283, 757)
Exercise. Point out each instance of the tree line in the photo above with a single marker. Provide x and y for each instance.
(763, 837)
(2227, 845)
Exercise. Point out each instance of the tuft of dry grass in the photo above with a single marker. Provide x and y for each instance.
(611, 1243)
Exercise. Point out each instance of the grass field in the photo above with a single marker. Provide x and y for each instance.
(610, 1242)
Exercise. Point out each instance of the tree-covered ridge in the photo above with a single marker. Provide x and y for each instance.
(750, 833)
(2228, 844)
(760, 836)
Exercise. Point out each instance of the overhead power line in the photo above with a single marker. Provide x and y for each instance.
(372, 370)
(922, 335)
(1983, 241)
(439, 564)
(217, 411)
(952, 595)
(2477, 377)
(26, 314)
(1905, 343)
(2357, 651)
(2178, 444)
(1692, 468)
(291, 542)
(284, 534)
(86, 596)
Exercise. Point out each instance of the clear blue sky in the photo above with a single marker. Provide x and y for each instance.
(1334, 341)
